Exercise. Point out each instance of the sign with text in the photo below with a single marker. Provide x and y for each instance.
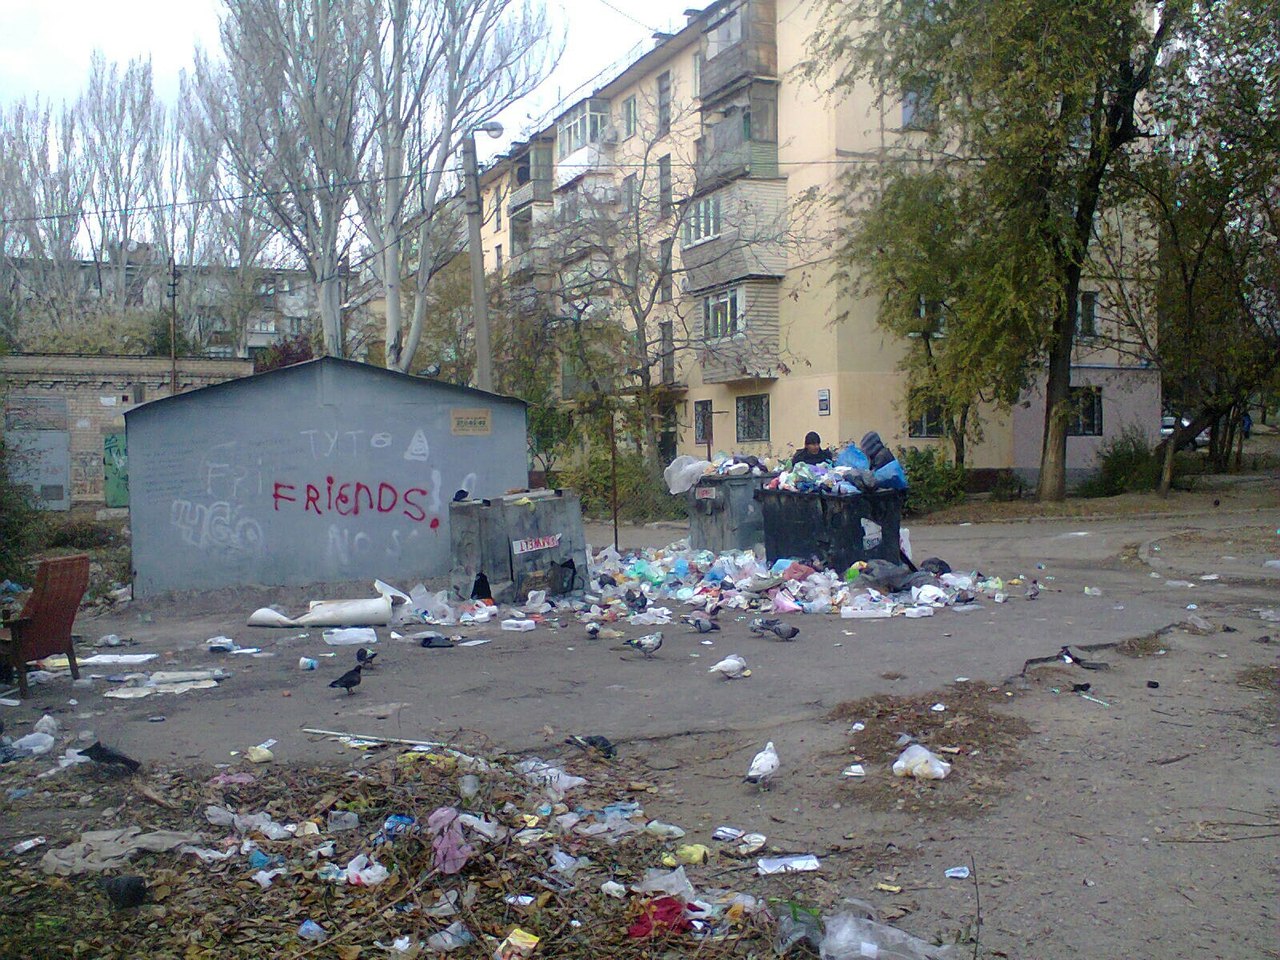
(533, 544)
(704, 493)
(470, 422)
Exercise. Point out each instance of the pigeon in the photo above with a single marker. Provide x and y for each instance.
(713, 608)
(731, 667)
(348, 681)
(649, 644)
(601, 745)
(108, 757)
(635, 600)
(365, 656)
(701, 623)
(763, 624)
(763, 766)
(593, 630)
(785, 631)
(125, 893)
(1033, 590)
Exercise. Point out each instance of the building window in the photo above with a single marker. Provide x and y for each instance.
(497, 209)
(928, 425)
(664, 103)
(919, 109)
(1086, 412)
(630, 117)
(725, 34)
(722, 314)
(664, 186)
(629, 204)
(1087, 314)
(703, 221)
(497, 256)
(933, 318)
(664, 265)
(667, 336)
(753, 418)
(702, 421)
(697, 73)
(584, 124)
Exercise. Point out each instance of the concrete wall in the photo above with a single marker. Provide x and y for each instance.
(325, 471)
(94, 393)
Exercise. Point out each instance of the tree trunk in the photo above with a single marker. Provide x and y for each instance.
(331, 312)
(1057, 412)
(1166, 467)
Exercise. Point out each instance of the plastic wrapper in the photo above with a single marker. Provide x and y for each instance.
(852, 937)
(921, 763)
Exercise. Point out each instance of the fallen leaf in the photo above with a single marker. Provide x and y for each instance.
(347, 953)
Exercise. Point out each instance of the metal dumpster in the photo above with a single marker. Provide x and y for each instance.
(724, 513)
(835, 530)
(522, 542)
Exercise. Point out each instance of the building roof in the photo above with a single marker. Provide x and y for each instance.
(351, 367)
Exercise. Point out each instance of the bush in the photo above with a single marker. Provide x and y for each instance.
(1008, 486)
(1125, 465)
(20, 524)
(80, 533)
(933, 481)
(642, 497)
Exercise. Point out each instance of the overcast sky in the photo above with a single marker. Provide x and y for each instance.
(45, 45)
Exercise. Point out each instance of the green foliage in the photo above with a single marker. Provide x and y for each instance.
(1008, 486)
(1126, 464)
(933, 481)
(79, 533)
(285, 353)
(20, 523)
(642, 497)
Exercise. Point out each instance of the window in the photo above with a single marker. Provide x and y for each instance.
(667, 333)
(629, 197)
(722, 314)
(919, 110)
(630, 117)
(664, 265)
(725, 34)
(760, 119)
(1086, 412)
(1087, 314)
(497, 209)
(928, 424)
(497, 256)
(702, 421)
(664, 103)
(703, 221)
(584, 124)
(664, 186)
(753, 418)
(933, 318)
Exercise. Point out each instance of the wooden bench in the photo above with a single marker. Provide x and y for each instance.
(44, 626)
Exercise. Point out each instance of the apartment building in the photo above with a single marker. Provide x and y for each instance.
(677, 202)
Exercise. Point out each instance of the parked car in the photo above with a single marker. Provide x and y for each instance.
(1166, 430)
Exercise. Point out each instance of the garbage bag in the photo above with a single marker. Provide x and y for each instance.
(891, 476)
(683, 472)
(921, 763)
(851, 937)
(851, 456)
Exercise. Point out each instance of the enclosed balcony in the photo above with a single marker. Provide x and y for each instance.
(740, 333)
(531, 180)
(741, 45)
(740, 138)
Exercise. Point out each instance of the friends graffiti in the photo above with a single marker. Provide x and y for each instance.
(347, 499)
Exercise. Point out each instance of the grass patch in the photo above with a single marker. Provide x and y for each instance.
(1144, 646)
(1264, 677)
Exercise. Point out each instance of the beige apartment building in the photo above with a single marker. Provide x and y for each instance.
(681, 201)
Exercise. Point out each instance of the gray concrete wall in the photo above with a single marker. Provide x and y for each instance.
(325, 471)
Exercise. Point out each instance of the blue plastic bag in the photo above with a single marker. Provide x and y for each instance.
(891, 477)
(851, 456)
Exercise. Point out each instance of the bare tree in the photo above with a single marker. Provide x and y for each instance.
(288, 102)
(437, 71)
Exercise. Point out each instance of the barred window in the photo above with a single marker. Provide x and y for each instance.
(753, 418)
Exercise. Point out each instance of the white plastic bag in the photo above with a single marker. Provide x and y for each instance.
(921, 763)
(350, 636)
(684, 472)
(850, 937)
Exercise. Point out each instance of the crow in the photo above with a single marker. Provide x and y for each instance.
(108, 757)
(125, 893)
(348, 681)
(365, 656)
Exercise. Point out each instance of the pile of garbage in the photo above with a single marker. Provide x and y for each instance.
(428, 850)
(857, 469)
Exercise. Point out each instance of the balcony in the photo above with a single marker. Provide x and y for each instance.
(741, 62)
(532, 261)
(750, 351)
(753, 228)
(592, 158)
(531, 191)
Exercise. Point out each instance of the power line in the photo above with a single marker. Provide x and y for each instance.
(623, 13)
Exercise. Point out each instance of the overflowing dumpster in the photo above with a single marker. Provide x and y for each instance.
(724, 513)
(836, 530)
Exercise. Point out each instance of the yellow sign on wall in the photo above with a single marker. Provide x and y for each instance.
(471, 422)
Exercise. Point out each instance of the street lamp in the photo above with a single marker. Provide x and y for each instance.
(475, 214)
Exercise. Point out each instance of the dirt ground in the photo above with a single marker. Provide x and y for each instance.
(1144, 825)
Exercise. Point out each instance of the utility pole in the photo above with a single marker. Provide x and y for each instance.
(173, 327)
(475, 215)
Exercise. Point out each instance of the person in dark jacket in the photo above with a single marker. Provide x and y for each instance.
(812, 452)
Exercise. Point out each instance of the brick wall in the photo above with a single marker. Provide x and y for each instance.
(98, 390)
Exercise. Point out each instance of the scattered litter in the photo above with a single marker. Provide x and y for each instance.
(921, 763)
(850, 937)
(519, 626)
(102, 659)
(1153, 684)
(350, 636)
(474, 643)
(855, 770)
(99, 850)
(958, 873)
(611, 888)
(939, 708)
(25, 845)
(1085, 696)
(310, 930)
(308, 663)
(518, 944)
(1092, 592)
(453, 937)
(795, 863)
